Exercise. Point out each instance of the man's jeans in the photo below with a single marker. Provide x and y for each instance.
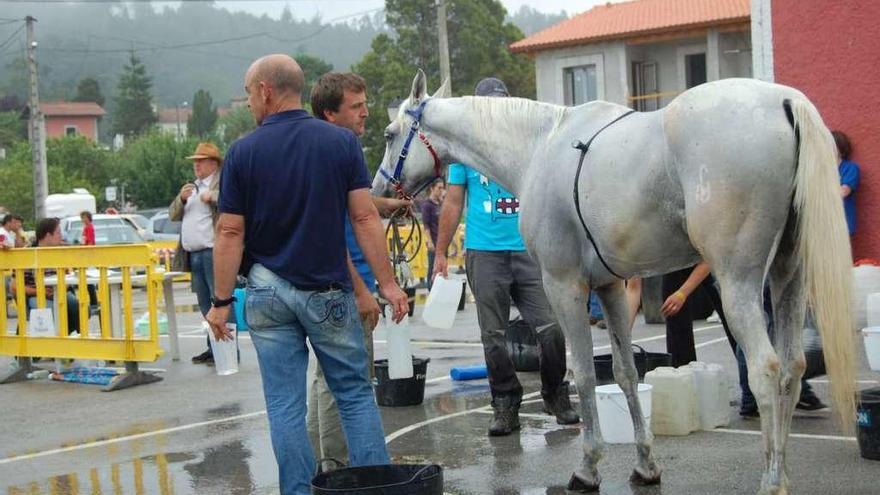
(202, 266)
(323, 420)
(280, 318)
(495, 278)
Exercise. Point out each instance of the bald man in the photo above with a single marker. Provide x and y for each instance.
(284, 194)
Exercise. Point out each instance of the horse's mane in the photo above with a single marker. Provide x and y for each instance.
(513, 116)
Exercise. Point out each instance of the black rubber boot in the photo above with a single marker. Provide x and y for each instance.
(559, 405)
(506, 419)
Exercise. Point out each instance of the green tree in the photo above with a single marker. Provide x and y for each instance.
(203, 120)
(235, 124)
(478, 46)
(154, 167)
(12, 128)
(72, 162)
(88, 89)
(313, 68)
(134, 110)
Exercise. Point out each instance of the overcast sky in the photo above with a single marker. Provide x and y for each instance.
(332, 9)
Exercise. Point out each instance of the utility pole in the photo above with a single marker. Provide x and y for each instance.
(36, 127)
(443, 41)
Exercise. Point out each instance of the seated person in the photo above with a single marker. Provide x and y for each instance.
(48, 233)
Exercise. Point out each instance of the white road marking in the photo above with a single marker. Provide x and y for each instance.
(128, 438)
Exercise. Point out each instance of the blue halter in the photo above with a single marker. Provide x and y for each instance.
(394, 179)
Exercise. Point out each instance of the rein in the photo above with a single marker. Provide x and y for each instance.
(584, 147)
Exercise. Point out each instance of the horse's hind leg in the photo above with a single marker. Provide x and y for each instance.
(617, 315)
(569, 298)
(789, 305)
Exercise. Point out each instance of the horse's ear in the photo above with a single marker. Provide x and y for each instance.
(444, 91)
(419, 87)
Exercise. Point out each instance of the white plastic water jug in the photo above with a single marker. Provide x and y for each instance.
(400, 364)
(873, 307)
(866, 280)
(442, 303)
(872, 346)
(713, 394)
(674, 401)
(615, 422)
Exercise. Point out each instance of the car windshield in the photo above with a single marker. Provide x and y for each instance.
(163, 225)
(139, 220)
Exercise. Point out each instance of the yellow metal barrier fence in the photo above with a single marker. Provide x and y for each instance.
(61, 271)
(419, 265)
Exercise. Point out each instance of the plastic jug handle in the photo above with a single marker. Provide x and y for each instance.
(420, 473)
(641, 349)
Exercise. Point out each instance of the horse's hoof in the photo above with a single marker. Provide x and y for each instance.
(652, 477)
(580, 484)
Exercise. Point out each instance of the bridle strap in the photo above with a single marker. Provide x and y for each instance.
(394, 179)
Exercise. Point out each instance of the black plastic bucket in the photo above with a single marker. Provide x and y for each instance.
(402, 392)
(869, 423)
(645, 362)
(522, 345)
(392, 479)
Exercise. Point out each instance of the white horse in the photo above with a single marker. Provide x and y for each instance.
(738, 172)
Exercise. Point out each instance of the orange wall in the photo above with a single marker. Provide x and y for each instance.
(85, 126)
(829, 50)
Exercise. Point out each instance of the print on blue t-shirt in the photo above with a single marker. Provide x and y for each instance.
(492, 218)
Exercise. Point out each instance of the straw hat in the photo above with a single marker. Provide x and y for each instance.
(206, 150)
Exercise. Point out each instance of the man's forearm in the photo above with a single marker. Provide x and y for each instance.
(371, 239)
(450, 214)
(228, 250)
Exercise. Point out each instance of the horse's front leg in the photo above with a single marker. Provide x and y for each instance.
(569, 297)
(616, 311)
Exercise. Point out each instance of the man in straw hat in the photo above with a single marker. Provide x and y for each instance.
(196, 207)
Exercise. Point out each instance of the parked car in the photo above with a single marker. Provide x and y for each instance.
(138, 221)
(109, 229)
(161, 228)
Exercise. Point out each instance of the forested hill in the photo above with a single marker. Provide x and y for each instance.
(195, 46)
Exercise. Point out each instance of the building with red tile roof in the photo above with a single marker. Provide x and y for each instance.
(640, 53)
(71, 118)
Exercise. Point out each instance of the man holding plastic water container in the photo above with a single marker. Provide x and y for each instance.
(341, 99)
(284, 195)
(498, 269)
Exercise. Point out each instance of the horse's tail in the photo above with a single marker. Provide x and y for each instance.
(823, 241)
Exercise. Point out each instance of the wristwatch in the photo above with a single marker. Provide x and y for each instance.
(219, 303)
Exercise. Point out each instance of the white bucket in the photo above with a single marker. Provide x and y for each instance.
(225, 352)
(442, 303)
(872, 346)
(615, 422)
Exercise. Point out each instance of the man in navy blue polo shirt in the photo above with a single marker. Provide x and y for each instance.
(283, 200)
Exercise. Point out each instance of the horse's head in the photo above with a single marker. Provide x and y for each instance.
(410, 162)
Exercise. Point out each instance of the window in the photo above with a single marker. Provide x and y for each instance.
(70, 130)
(695, 69)
(580, 84)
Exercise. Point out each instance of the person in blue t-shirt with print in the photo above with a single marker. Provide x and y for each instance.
(849, 179)
(499, 269)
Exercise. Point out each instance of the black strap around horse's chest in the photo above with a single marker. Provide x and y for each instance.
(584, 147)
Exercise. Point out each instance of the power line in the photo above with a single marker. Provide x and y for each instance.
(11, 36)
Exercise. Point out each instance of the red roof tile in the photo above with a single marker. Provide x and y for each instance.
(71, 109)
(630, 19)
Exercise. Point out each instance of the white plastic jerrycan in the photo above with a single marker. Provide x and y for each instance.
(713, 394)
(442, 303)
(674, 401)
(400, 363)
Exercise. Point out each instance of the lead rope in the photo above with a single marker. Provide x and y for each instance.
(584, 147)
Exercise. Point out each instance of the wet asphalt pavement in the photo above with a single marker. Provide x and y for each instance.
(199, 433)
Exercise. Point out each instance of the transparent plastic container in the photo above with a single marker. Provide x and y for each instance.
(713, 394)
(674, 401)
(400, 364)
(442, 303)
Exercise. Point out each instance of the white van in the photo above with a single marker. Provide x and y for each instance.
(67, 205)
